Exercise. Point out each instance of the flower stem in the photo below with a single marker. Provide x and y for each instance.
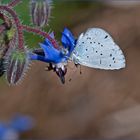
(17, 24)
(2, 28)
(7, 22)
(41, 33)
(14, 3)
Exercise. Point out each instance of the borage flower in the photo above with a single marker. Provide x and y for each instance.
(17, 63)
(57, 58)
(18, 125)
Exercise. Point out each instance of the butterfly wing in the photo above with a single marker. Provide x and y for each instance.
(97, 49)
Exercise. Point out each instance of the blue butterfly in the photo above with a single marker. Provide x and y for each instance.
(95, 48)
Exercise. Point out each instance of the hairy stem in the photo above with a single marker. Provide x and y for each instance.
(2, 16)
(2, 28)
(18, 25)
(7, 22)
(41, 33)
(14, 3)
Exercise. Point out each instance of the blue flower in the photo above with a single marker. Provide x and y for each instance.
(50, 54)
(12, 130)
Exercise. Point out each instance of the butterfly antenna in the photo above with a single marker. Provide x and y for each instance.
(70, 79)
(78, 65)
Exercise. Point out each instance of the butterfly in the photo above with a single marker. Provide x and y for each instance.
(95, 49)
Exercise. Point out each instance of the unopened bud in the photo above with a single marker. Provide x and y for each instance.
(6, 38)
(17, 64)
(40, 12)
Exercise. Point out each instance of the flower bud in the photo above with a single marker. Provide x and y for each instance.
(40, 12)
(6, 38)
(17, 64)
(2, 38)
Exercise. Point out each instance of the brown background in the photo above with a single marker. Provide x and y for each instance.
(96, 104)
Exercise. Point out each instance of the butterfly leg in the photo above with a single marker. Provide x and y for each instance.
(77, 66)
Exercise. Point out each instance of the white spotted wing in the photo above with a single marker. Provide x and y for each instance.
(97, 49)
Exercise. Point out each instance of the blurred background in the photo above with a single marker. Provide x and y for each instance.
(97, 104)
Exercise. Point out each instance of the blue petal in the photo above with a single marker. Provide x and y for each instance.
(51, 54)
(52, 35)
(33, 56)
(48, 43)
(22, 123)
(3, 129)
(68, 40)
